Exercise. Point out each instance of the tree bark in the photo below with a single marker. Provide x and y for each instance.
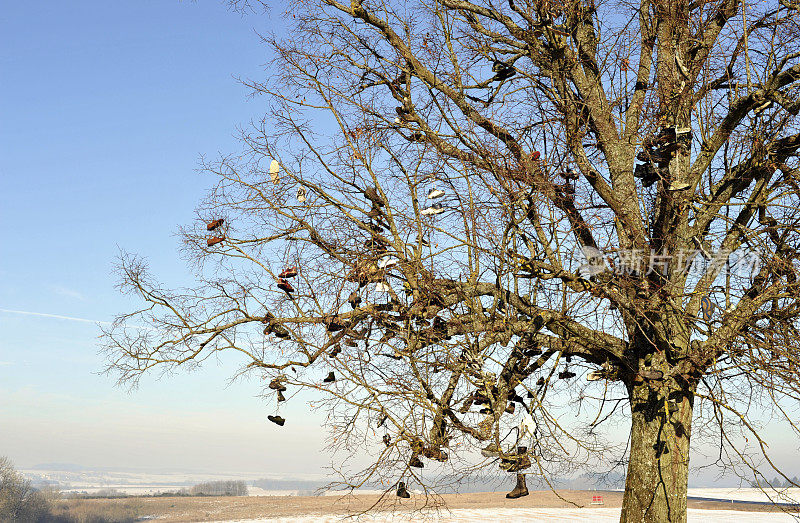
(658, 470)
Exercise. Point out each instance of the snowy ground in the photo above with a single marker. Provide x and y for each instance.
(791, 495)
(595, 515)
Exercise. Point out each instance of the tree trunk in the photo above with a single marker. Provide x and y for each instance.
(658, 471)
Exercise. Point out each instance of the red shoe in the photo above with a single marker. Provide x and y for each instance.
(291, 272)
(285, 286)
(216, 224)
(213, 241)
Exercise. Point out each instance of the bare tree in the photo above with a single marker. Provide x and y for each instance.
(19, 501)
(455, 211)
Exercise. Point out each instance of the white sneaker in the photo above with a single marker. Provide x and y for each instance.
(436, 208)
(679, 186)
(274, 169)
(382, 286)
(386, 262)
(595, 375)
(435, 193)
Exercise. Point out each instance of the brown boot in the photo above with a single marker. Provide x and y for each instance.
(416, 462)
(276, 384)
(216, 224)
(520, 490)
(516, 462)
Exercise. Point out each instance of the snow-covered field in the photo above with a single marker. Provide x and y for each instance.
(791, 495)
(595, 515)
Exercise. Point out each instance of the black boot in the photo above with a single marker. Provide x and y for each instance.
(276, 420)
(401, 490)
(520, 490)
(281, 397)
(330, 378)
(354, 300)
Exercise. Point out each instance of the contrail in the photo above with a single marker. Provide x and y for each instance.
(56, 316)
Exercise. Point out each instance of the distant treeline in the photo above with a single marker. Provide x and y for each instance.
(220, 488)
(116, 494)
(776, 483)
(209, 488)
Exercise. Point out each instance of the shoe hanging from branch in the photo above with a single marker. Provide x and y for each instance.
(274, 169)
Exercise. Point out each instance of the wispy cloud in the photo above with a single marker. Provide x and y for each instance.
(71, 318)
(5, 363)
(55, 316)
(67, 292)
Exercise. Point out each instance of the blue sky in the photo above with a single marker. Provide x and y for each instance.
(105, 109)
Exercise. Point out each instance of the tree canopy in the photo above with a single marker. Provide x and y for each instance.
(457, 218)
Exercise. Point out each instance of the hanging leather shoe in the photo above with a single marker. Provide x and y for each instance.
(330, 378)
(216, 224)
(276, 384)
(281, 397)
(277, 420)
(517, 462)
(334, 325)
(435, 454)
(290, 272)
(280, 332)
(213, 241)
(520, 490)
(387, 440)
(402, 492)
(354, 300)
(372, 195)
(285, 286)
(416, 463)
(480, 398)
